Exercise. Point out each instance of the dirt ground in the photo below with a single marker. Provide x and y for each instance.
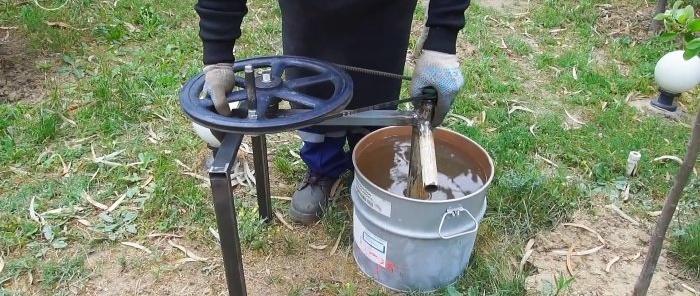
(611, 270)
(20, 80)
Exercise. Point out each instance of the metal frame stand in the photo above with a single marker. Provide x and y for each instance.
(225, 210)
(220, 178)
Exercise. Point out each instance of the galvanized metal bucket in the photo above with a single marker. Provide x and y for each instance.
(413, 245)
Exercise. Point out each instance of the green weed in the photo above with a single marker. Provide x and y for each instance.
(685, 247)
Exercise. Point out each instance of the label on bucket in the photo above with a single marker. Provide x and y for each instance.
(376, 203)
(371, 245)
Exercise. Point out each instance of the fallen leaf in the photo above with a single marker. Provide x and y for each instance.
(579, 253)
(610, 264)
(600, 238)
(335, 187)
(632, 258)
(152, 235)
(320, 247)
(532, 129)
(185, 260)
(293, 153)
(214, 233)
(503, 44)
(654, 213)
(337, 241)
(84, 222)
(2, 264)
(32, 212)
(573, 73)
(282, 198)
(546, 160)
(250, 175)
(527, 255)
(131, 27)
(521, 108)
(116, 203)
(187, 252)
(669, 157)
(197, 176)
(569, 265)
(183, 165)
(622, 214)
(61, 210)
(97, 204)
(690, 289)
(58, 24)
(573, 118)
(281, 218)
(465, 120)
(137, 246)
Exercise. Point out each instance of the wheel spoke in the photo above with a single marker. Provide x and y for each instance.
(277, 67)
(239, 81)
(300, 98)
(232, 97)
(308, 81)
(263, 103)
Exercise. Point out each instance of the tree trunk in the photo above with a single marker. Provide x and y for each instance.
(656, 24)
(657, 240)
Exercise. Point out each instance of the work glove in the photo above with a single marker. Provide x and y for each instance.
(218, 82)
(442, 72)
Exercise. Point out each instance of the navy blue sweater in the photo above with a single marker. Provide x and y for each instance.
(220, 26)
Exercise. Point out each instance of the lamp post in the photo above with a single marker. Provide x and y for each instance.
(674, 75)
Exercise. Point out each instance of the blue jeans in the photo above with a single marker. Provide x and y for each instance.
(370, 34)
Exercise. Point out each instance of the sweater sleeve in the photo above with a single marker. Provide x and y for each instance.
(445, 19)
(219, 28)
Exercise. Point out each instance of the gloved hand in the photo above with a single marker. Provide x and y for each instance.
(218, 82)
(442, 72)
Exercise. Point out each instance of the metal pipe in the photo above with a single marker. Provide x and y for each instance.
(250, 91)
(428, 163)
(422, 172)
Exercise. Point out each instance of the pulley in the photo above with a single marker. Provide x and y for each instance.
(255, 101)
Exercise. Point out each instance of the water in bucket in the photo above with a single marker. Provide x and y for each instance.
(388, 168)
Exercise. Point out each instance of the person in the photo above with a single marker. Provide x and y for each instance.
(371, 34)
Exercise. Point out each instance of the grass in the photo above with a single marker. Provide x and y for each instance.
(686, 247)
(111, 125)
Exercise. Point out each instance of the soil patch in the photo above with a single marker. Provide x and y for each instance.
(624, 244)
(19, 78)
(502, 5)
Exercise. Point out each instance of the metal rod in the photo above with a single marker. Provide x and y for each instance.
(220, 180)
(250, 91)
(262, 177)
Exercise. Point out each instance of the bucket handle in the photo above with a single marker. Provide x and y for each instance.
(455, 213)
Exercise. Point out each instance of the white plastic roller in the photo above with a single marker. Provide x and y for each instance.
(206, 133)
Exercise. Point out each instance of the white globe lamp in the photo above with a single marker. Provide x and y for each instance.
(675, 75)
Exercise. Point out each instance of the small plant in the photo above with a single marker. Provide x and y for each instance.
(681, 22)
(559, 286)
(686, 247)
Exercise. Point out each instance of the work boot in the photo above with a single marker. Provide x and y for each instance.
(311, 198)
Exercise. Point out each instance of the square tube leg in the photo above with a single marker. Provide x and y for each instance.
(262, 177)
(220, 179)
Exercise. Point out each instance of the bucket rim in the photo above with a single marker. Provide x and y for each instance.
(483, 188)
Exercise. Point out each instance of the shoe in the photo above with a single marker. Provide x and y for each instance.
(311, 198)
